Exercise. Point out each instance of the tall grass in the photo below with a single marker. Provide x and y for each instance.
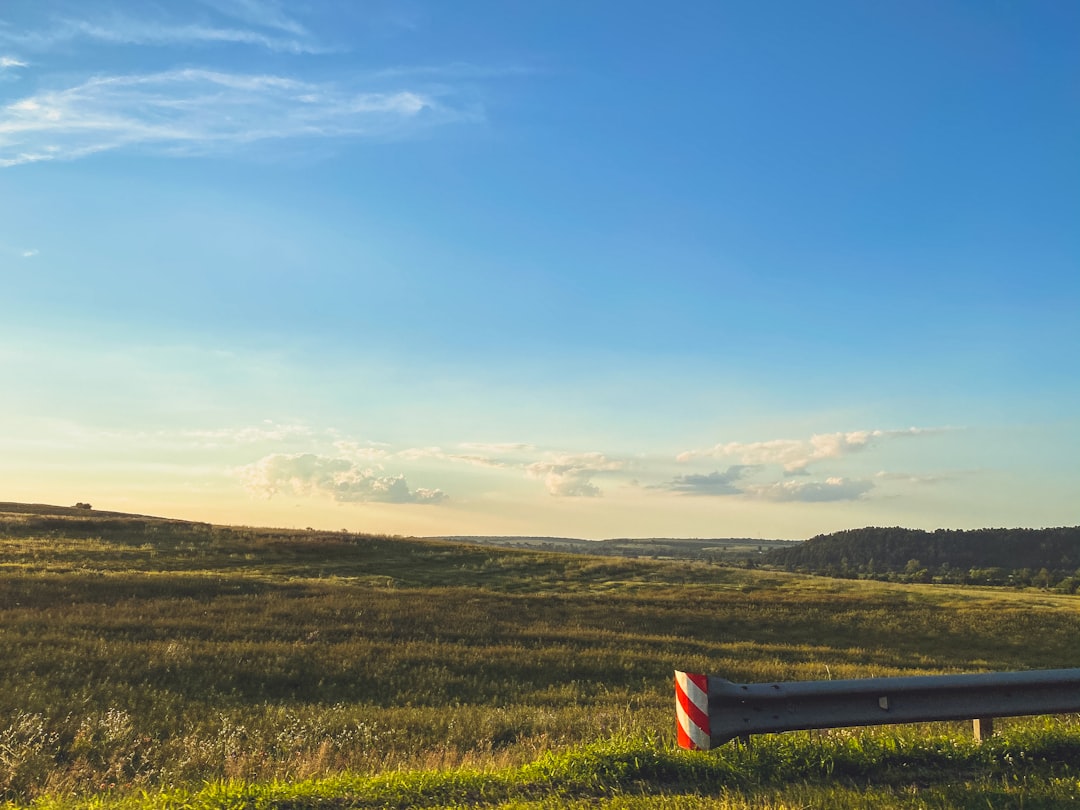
(152, 655)
(1026, 768)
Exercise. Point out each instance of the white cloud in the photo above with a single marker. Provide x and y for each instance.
(194, 111)
(796, 454)
(307, 474)
(832, 489)
(8, 62)
(571, 475)
(29, 254)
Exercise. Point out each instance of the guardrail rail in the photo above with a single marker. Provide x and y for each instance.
(711, 711)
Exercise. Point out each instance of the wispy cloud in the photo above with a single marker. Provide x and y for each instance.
(193, 112)
(454, 70)
(491, 458)
(262, 13)
(497, 448)
(910, 478)
(249, 434)
(9, 69)
(137, 32)
(281, 33)
(202, 440)
(795, 454)
(358, 451)
(21, 252)
(341, 479)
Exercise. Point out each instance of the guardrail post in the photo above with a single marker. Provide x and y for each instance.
(983, 728)
(692, 711)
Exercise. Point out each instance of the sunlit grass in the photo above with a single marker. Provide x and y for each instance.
(156, 656)
(1041, 767)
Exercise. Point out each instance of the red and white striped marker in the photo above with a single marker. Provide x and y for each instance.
(692, 711)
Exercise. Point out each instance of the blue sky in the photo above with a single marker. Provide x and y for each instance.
(755, 269)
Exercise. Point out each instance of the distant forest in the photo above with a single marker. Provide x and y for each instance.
(1043, 558)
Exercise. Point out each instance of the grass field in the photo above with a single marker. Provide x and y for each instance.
(160, 663)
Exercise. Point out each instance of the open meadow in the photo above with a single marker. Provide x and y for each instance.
(148, 662)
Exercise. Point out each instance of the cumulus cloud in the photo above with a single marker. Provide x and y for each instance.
(831, 489)
(194, 111)
(307, 474)
(714, 483)
(571, 475)
(795, 454)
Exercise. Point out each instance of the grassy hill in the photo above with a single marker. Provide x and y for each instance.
(156, 662)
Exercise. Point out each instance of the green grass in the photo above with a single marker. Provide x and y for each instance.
(847, 770)
(159, 663)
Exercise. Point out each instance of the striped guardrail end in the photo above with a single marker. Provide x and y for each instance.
(692, 711)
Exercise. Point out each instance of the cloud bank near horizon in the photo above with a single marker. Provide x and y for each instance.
(272, 458)
(582, 475)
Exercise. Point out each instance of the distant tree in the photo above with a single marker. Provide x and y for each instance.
(83, 506)
(1023, 577)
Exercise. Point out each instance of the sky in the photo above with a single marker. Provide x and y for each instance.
(757, 269)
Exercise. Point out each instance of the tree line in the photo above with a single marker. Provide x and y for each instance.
(1046, 558)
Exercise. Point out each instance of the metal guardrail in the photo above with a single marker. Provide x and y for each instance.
(712, 711)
